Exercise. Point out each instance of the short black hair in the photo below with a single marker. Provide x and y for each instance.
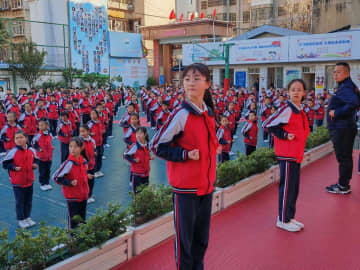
(344, 64)
(64, 113)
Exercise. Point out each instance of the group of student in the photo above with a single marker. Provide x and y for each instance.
(82, 122)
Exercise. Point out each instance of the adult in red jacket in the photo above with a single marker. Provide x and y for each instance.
(189, 144)
(72, 175)
(20, 162)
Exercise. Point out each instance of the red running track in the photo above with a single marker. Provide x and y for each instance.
(244, 236)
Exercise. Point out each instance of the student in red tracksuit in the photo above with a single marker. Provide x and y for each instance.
(53, 114)
(72, 116)
(290, 127)
(163, 115)
(27, 122)
(64, 132)
(96, 133)
(139, 157)
(230, 114)
(320, 112)
(20, 162)
(42, 143)
(130, 136)
(8, 131)
(14, 107)
(85, 107)
(40, 111)
(77, 113)
(310, 113)
(2, 125)
(90, 152)
(125, 119)
(225, 139)
(189, 144)
(250, 133)
(72, 175)
(265, 113)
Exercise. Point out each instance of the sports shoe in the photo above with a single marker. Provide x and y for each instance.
(49, 187)
(91, 200)
(337, 189)
(266, 141)
(290, 227)
(98, 174)
(235, 137)
(43, 187)
(110, 137)
(103, 157)
(297, 223)
(23, 224)
(107, 145)
(30, 222)
(231, 153)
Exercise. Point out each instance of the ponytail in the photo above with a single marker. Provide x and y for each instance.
(208, 100)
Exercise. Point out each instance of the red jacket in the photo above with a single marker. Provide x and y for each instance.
(186, 129)
(319, 112)
(232, 119)
(24, 158)
(90, 148)
(110, 106)
(289, 119)
(72, 119)
(2, 120)
(14, 108)
(28, 123)
(162, 117)
(95, 131)
(224, 136)
(7, 135)
(40, 113)
(64, 131)
(130, 136)
(42, 143)
(73, 169)
(310, 113)
(53, 110)
(85, 106)
(250, 132)
(141, 152)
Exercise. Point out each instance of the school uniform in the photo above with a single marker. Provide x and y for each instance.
(225, 139)
(22, 181)
(85, 109)
(27, 122)
(189, 128)
(76, 196)
(319, 114)
(288, 119)
(250, 132)
(96, 134)
(130, 136)
(64, 132)
(139, 171)
(125, 122)
(163, 116)
(42, 143)
(310, 113)
(232, 121)
(53, 115)
(265, 113)
(7, 135)
(90, 150)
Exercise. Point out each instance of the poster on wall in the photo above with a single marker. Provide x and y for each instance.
(4, 84)
(124, 44)
(319, 79)
(324, 47)
(207, 53)
(89, 37)
(291, 75)
(240, 78)
(134, 71)
(255, 51)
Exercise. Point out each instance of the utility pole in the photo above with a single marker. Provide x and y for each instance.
(227, 65)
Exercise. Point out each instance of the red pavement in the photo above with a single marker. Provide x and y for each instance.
(244, 236)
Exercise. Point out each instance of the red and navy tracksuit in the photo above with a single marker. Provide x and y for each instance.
(53, 115)
(188, 128)
(64, 132)
(85, 109)
(42, 143)
(22, 181)
(96, 134)
(250, 133)
(162, 117)
(7, 135)
(289, 119)
(225, 139)
(265, 113)
(319, 114)
(76, 196)
(139, 171)
(125, 122)
(310, 113)
(2, 125)
(130, 136)
(27, 123)
(90, 150)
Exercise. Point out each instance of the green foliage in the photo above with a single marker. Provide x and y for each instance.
(4, 35)
(232, 171)
(29, 62)
(150, 203)
(70, 74)
(95, 79)
(319, 136)
(5, 249)
(151, 81)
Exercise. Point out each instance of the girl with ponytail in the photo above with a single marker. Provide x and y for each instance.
(188, 142)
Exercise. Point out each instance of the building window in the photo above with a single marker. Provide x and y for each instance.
(203, 4)
(5, 4)
(246, 16)
(232, 2)
(232, 17)
(18, 28)
(17, 4)
(281, 11)
(4, 54)
(117, 25)
(214, 3)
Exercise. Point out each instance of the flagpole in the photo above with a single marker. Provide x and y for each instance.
(213, 29)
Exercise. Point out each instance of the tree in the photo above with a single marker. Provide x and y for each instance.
(4, 35)
(299, 15)
(29, 62)
(70, 74)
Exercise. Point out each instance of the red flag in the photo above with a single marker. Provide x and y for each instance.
(181, 17)
(214, 13)
(172, 15)
(192, 16)
(202, 15)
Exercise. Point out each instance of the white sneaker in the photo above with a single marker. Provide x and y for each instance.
(153, 128)
(266, 141)
(110, 137)
(2, 154)
(30, 222)
(235, 137)
(290, 227)
(103, 157)
(99, 174)
(91, 200)
(231, 153)
(297, 223)
(43, 187)
(23, 224)
(96, 175)
(49, 187)
(107, 145)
